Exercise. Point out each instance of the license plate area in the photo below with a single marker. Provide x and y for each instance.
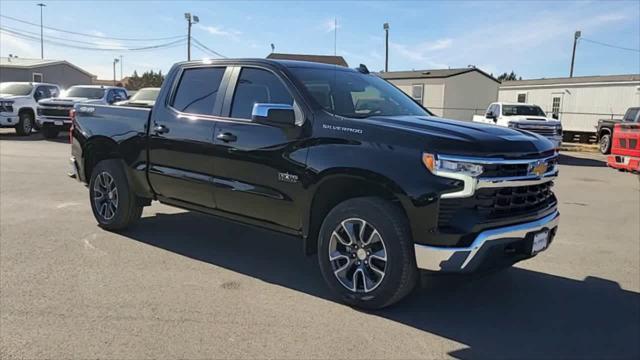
(540, 241)
(58, 123)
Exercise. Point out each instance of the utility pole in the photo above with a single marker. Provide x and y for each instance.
(41, 32)
(576, 36)
(190, 21)
(121, 77)
(115, 61)
(386, 46)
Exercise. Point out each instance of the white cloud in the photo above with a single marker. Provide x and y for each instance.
(330, 25)
(17, 46)
(219, 31)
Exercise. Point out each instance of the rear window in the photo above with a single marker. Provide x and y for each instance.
(524, 110)
(85, 92)
(198, 90)
(631, 114)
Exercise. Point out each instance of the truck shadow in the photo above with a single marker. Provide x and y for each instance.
(564, 159)
(36, 136)
(515, 313)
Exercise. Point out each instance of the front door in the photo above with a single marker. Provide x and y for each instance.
(181, 138)
(259, 167)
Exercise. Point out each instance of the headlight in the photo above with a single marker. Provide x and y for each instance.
(442, 166)
(6, 103)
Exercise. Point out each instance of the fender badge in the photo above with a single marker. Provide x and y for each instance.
(289, 178)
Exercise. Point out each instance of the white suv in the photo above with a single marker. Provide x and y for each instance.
(18, 103)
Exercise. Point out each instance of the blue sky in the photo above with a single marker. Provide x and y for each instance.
(532, 38)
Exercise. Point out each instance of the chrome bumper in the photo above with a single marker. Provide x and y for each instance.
(73, 168)
(457, 259)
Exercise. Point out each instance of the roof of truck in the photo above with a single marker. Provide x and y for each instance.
(286, 63)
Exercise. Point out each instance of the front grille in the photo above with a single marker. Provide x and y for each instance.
(58, 111)
(541, 129)
(8, 109)
(509, 170)
(491, 204)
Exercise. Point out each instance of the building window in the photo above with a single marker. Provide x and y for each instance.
(555, 107)
(36, 77)
(522, 97)
(416, 92)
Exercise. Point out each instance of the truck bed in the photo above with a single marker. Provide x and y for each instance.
(117, 122)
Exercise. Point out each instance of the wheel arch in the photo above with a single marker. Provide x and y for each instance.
(27, 109)
(339, 185)
(96, 149)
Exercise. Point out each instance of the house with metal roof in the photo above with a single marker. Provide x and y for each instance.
(324, 59)
(450, 93)
(580, 101)
(59, 72)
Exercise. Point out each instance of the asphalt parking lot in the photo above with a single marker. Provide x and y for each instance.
(183, 285)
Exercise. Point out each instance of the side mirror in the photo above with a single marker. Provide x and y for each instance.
(555, 116)
(273, 114)
(491, 116)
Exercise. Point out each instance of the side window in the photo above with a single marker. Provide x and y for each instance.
(110, 95)
(522, 98)
(491, 109)
(53, 91)
(257, 86)
(41, 93)
(198, 90)
(631, 114)
(416, 92)
(496, 110)
(122, 93)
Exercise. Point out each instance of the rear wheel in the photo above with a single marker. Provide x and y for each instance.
(366, 254)
(25, 123)
(605, 144)
(114, 205)
(50, 132)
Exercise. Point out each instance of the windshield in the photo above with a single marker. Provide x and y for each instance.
(145, 95)
(356, 95)
(525, 110)
(85, 92)
(15, 89)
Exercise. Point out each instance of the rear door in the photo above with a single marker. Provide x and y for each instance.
(181, 137)
(259, 167)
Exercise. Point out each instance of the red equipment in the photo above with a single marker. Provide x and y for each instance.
(625, 150)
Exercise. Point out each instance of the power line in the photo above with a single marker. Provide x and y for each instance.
(26, 32)
(91, 35)
(208, 49)
(174, 43)
(609, 45)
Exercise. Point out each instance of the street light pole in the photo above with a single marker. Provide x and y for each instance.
(121, 62)
(41, 32)
(115, 61)
(190, 21)
(576, 36)
(386, 46)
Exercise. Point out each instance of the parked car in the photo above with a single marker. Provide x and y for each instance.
(605, 128)
(377, 192)
(53, 114)
(625, 152)
(521, 116)
(18, 103)
(145, 97)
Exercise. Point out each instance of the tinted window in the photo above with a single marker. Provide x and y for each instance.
(352, 94)
(198, 89)
(631, 114)
(42, 92)
(524, 110)
(85, 92)
(53, 91)
(257, 86)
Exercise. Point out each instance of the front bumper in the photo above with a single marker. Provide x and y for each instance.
(8, 119)
(507, 244)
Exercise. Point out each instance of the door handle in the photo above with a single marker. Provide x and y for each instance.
(160, 129)
(227, 137)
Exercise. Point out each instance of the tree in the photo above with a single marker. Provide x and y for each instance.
(509, 77)
(148, 79)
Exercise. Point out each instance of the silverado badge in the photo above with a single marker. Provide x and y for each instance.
(538, 168)
(286, 177)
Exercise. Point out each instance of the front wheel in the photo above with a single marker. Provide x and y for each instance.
(366, 253)
(114, 205)
(605, 144)
(50, 132)
(25, 124)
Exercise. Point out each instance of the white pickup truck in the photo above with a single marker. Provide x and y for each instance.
(18, 103)
(53, 114)
(521, 116)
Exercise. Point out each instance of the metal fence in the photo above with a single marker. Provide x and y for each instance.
(477, 111)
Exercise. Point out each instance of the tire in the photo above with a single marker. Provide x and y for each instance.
(114, 205)
(25, 124)
(605, 144)
(345, 273)
(50, 132)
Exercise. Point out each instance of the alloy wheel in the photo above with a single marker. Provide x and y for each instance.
(105, 195)
(358, 255)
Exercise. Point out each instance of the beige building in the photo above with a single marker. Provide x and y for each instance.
(450, 93)
(59, 72)
(579, 102)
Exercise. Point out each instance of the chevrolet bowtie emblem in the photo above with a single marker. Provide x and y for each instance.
(538, 168)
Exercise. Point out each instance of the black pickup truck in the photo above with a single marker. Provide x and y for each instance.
(604, 131)
(368, 179)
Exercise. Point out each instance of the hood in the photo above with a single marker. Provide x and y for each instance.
(69, 100)
(464, 138)
(13, 97)
(533, 119)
